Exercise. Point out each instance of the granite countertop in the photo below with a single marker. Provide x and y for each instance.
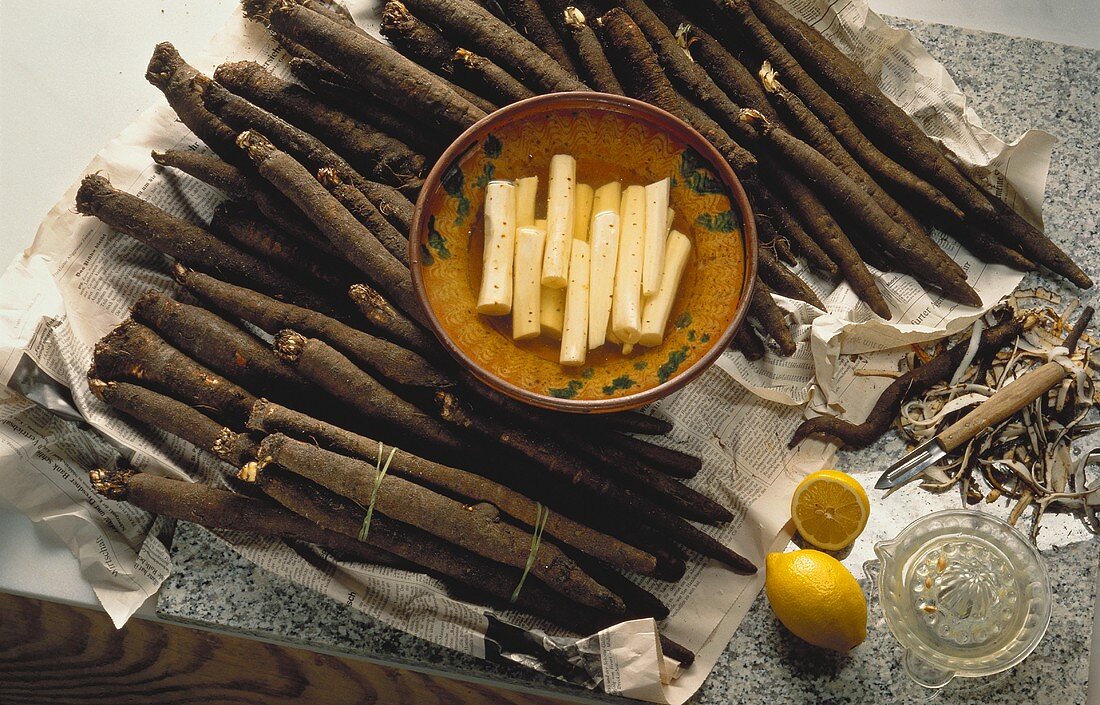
(214, 586)
(1012, 84)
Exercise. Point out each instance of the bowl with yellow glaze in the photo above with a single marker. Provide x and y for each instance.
(611, 137)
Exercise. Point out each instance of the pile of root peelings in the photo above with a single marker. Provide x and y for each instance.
(298, 353)
(1030, 459)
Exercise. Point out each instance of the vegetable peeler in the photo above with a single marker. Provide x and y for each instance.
(993, 410)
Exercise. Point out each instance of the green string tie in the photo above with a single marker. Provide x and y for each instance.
(541, 515)
(381, 470)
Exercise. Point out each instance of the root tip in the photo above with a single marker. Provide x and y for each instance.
(288, 345)
(269, 449)
(97, 386)
(256, 415)
(573, 18)
(465, 57)
(163, 64)
(180, 273)
(93, 189)
(255, 145)
(754, 118)
(396, 18)
(112, 484)
(769, 77)
(449, 408)
(684, 36)
(223, 444)
(258, 10)
(249, 472)
(329, 177)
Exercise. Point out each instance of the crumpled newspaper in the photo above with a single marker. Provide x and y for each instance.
(76, 281)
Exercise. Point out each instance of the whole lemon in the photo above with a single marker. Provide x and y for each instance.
(816, 597)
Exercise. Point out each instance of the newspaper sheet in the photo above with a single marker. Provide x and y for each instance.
(77, 280)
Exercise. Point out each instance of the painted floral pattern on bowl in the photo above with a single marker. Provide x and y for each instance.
(607, 145)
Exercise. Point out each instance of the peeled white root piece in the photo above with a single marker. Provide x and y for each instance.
(551, 312)
(561, 198)
(526, 190)
(603, 252)
(607, 198)
(658, 307)
(495, 295)
(626, 304)
(582, 212)
(526, 290)
(574, 337)
(551, 304)
(656, 230)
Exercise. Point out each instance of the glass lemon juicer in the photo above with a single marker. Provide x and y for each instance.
(964, 593)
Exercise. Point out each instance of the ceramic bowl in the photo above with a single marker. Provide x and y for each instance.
(611, 137)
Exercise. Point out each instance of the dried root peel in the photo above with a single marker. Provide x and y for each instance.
(937, 369)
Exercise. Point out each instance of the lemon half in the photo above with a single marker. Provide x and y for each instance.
(830, 509)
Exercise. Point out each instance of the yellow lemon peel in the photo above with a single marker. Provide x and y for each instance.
(816, 597)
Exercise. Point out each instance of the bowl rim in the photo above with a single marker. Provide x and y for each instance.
(622, 105)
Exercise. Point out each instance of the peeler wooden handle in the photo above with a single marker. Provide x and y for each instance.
(1006, 402)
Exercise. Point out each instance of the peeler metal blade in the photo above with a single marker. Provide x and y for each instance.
(923, 456)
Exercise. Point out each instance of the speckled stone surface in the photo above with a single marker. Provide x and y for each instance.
(1013, 84)
(766, 663)
(213, 586)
